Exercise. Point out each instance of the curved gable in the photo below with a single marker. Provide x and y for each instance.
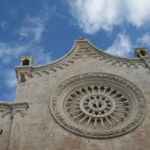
(83, 47)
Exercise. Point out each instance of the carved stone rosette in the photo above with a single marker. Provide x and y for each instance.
(98, 105)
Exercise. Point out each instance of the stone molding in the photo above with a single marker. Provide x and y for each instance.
(81, 48)
(135, 96)
(13, 108)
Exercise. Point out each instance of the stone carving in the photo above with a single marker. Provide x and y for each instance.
(26, 61)
(141, 52)
(13, 108)
(98, 105)
(22, 76)
(19, 108)
(81, 48)
(94, 52)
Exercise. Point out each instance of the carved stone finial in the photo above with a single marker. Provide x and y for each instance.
(26, 61)
(141, 52)
(80, 38)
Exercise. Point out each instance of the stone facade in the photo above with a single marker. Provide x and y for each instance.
(87, 100)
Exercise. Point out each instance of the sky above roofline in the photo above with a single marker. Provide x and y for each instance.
(46, 30)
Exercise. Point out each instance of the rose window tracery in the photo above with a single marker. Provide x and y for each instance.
(98, 105)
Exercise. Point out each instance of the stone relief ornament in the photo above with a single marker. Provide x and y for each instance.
(98, 105)
(12, 109)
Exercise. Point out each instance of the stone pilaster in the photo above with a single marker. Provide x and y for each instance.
(5, 124)
(16, 111)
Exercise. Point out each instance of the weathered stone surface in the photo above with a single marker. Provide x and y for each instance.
(37, 129)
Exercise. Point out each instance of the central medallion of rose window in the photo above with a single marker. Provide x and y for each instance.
(98, 105)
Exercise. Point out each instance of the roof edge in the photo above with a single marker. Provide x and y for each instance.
(75, 48)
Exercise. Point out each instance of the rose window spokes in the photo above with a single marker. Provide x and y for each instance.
(97, 106)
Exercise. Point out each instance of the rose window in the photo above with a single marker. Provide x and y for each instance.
(98, 105)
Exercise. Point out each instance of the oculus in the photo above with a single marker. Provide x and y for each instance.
(98, 105)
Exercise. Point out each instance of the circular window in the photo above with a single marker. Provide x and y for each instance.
(98, 105)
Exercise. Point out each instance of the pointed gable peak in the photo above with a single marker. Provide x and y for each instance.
(82, 44)
(83, 48)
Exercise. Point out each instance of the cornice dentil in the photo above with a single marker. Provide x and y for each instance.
(81, 48)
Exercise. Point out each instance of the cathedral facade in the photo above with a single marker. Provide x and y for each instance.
(86, 100)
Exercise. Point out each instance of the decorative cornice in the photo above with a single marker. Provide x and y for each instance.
(13, 108)
(82, 48)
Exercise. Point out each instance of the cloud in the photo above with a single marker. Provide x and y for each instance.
(9, 52)
(29, 38)
(33, 27)
(92, 16)
(137, 12)
(121, 46)
(31, 34)
(145, 40)
(11, 80)
(41, 56)
(3, 25)
(9, 55)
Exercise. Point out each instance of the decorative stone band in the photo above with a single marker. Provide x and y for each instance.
(13, 108)
(98, 105)
(82, 48)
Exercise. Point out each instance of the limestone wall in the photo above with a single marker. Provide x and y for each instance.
(39, 128)
(10, 123)
(41, 131)
(5, 125)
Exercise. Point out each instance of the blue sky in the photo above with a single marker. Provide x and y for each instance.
(46, 30)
